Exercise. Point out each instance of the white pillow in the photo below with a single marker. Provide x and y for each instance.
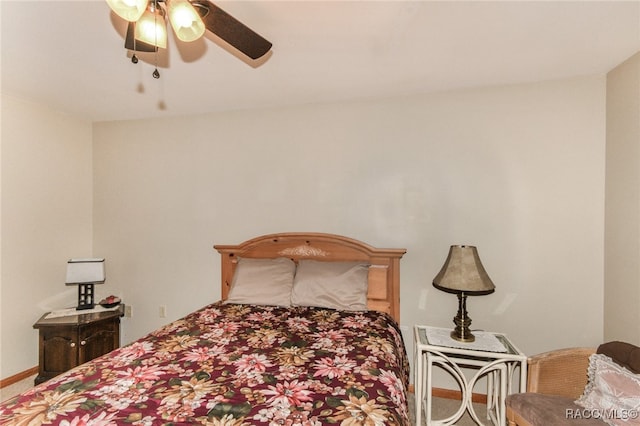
(612, 393)
(335, 285)
(262, 282)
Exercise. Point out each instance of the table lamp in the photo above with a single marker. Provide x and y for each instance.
(85, 273)
(464, 275)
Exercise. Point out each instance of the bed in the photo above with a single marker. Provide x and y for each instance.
(306, 333)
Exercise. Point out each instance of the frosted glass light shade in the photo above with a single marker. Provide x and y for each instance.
(152, 29)
(131, 10)
(185, 20)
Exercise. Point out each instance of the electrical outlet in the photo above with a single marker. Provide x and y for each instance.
(162, 311)
(128, 311)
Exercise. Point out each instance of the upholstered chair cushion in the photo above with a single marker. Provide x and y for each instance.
(550, 410)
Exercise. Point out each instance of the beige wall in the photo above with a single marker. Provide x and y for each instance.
(622, 237)
(517, 171)
(46, 217)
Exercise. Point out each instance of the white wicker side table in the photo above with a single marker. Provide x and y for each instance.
(492, 355)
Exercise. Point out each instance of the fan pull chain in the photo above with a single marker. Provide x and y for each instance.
(134, 58)
(156, 74)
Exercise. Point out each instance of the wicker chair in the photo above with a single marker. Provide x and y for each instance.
(557, 379)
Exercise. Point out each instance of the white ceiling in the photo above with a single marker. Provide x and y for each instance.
(70, 54)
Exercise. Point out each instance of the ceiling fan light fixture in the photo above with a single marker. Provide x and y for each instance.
(130, 10)
(185, 20)
(151, 28)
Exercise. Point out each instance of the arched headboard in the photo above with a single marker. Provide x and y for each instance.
(384, 272)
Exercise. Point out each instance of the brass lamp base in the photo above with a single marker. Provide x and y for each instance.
(462, 321)
(462, 337)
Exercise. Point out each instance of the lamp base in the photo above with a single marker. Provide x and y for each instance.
(467, 337)
(462, 321)
(85, 297)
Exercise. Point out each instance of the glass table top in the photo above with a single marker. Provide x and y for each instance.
(485, 341)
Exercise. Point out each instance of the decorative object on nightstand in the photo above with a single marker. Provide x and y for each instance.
(85, 273)
(110, 301)
(464, 275)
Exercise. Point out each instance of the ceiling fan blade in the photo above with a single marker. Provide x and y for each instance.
(231, 30)
(140, 46)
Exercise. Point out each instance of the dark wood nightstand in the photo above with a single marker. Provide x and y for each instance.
(66, 342)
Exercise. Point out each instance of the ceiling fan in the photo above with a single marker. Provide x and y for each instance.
(147, 29)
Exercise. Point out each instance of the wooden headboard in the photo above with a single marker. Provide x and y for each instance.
(384, 273)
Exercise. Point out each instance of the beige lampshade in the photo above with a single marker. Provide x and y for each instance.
(151, 28)
(463, 272)
(185, 20)
(130, 10)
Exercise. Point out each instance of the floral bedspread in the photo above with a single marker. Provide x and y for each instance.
(236, 365)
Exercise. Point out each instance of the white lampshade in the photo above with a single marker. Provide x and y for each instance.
(85, 271)
(151, 27)
(185, 20)
(131, 10)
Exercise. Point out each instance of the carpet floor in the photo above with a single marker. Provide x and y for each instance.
(443, 408)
